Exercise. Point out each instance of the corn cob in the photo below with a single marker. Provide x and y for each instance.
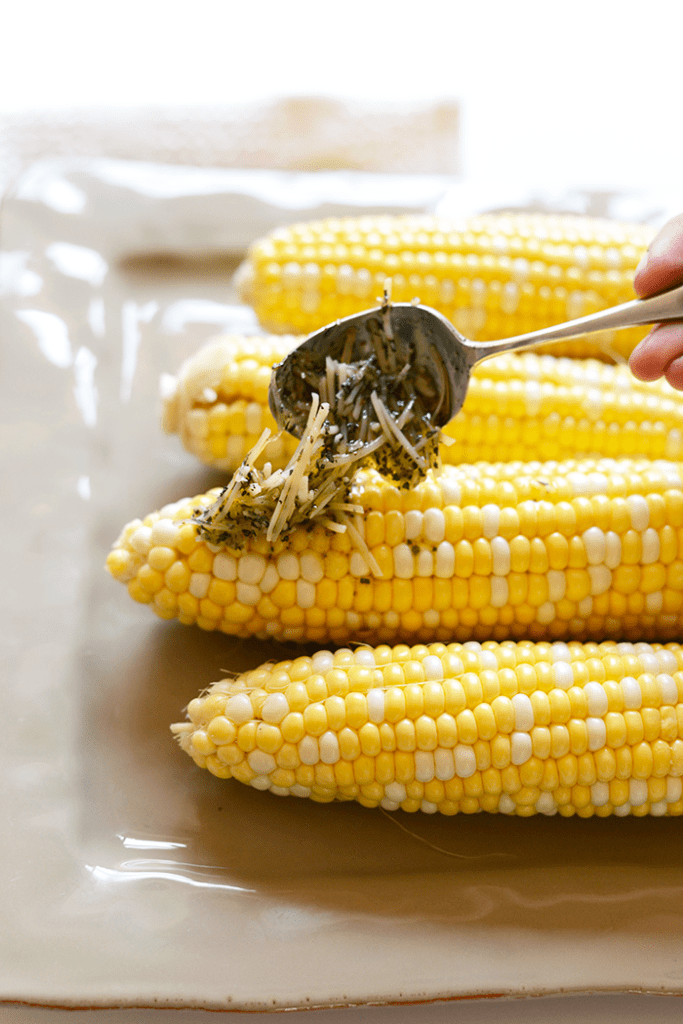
(515, 728)
(518, 407)
(218, 401)
(493, 276)
(582, 549)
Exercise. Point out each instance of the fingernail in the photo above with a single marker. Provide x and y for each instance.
(643, 263)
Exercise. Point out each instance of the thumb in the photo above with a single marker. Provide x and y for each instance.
(662, 265)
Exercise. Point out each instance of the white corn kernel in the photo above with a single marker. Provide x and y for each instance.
(225, 567)
(250, 568)
(312, 566)
(674, 789)
(238, 709)
(305, 594)
(599, 794)
(247, 594)
(649, 661)
(637, 792)
(612, 549)
(500, 551)
(432, 666)
(364, 656)
(424, 765)
(270, 580)
(261, 762)
(465, 760)
(546, 613)
(274, 709)
(597, 733)
(520, 747)
(601, 579)
(651, 546)
(444, 765)
(595, 544)
(261, 782)
(524, 712)
(424, 565)
(434, 525)
(444, 566)
(358, 566)
(639, 512)
(490, 520)
(389, 805)
(395, 791)
(563, 675)
(545, 804)
(597, 699)
(141, 540)
(322, 662)
(288, 566)
(375, 699)
(667, 661)
(308, 750)
(403, 562)
(557, 585)
(199, 584)
(329, 748)
(164, 533)
(632, 694)
(412, 521)
(667, 688)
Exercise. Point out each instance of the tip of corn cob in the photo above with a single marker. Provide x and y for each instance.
(243, 281)
(170, 405)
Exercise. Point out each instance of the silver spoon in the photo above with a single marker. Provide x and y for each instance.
(441, 358)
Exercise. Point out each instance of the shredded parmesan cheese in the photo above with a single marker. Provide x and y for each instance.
(363, 404)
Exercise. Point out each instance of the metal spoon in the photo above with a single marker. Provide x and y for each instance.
(437, 352)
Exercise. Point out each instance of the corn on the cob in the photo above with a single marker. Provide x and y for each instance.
(583, 549)
(593, 729)
(218, 401)
(493, 276)
(518, 407)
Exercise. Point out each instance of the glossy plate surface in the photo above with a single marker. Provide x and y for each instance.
(130, 878)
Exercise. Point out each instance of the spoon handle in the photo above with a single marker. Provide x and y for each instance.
(652, 310)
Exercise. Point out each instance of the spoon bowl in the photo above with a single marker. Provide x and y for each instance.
(438, 358)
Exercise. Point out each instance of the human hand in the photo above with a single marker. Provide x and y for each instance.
(660, 354)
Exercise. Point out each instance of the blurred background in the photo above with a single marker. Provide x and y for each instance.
(584, 94)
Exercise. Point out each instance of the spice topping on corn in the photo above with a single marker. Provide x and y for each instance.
(372, 405)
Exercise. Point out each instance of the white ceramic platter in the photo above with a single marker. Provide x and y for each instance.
(128, 877)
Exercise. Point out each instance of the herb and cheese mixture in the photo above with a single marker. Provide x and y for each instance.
(371, 405)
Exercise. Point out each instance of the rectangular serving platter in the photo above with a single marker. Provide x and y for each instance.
(129, 877)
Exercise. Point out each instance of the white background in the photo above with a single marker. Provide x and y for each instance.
(587, 92)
